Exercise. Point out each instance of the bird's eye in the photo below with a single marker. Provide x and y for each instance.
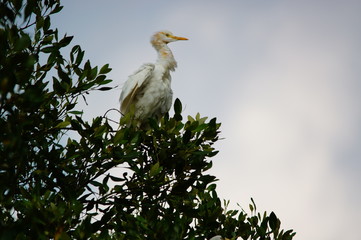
(167, 35)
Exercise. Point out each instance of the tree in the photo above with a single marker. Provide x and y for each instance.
(58, 188)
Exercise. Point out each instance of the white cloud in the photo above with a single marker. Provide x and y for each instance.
(286, 119)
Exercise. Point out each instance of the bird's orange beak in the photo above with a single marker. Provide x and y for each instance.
(179, 38)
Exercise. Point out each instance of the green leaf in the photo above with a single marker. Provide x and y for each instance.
(105, 82)
(79, 57)
(23, 42)
(65, 41)
(57, 9)
(48, 49)
(17, 4)
(92, 73)
(105, 69)
(190, 119)
(64, 76)
(155, 169)
(76, 112)
(177, 106)
(254, 204)
(100, 130)
(48, 39)
(177, 110)
(62, 124)
(251, 207)
(118, 137)
(202, 120)
(46, 24)
(104, 88)
(52, 58)
(100, 78)
(187, 136)
(29, 8)
(136, 138)
(95, 183)
(273, 221)
(39, 22)
(288, 235)
(58, 88)
(198, 116)
(116, 179)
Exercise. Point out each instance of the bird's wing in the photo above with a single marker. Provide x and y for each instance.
(133, 85)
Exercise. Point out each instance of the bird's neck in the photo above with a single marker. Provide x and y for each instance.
(165, 57)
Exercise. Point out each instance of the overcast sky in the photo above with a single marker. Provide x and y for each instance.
(283, 78)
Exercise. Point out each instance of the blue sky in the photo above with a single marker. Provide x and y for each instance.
(283, 77)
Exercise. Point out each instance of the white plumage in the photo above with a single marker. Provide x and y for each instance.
(148, 91)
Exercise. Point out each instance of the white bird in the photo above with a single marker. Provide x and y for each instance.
(147, 93)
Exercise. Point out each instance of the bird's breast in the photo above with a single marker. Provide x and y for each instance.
(156, 96)
(161, 73)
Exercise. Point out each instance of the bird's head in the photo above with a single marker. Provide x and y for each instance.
(164, 37)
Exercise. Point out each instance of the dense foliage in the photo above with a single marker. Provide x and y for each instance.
(105, 183)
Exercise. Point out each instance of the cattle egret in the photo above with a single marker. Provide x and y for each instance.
(147, 93)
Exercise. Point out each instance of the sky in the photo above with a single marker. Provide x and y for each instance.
(283, 78)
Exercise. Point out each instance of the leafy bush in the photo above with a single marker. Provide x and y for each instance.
(58, 188)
